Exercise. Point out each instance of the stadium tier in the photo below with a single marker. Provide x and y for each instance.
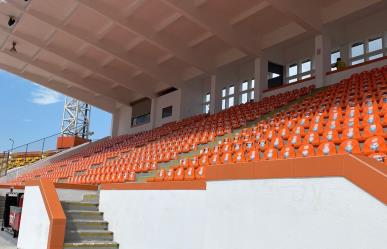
(20, 159)
(348, 117)
(193, 124)
(120, 158)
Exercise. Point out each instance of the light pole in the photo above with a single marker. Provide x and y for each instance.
(13, 142)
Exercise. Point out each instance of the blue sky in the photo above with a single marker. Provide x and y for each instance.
(30, 112)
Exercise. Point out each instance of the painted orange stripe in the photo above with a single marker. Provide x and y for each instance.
(9, 186)
(367, 176)
(290, 168)
(183, 185)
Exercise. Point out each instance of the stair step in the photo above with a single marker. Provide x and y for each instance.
(69, 205)
(83, 215)
(91, 244)
(87, 224)
(88, 235)
(91, 197)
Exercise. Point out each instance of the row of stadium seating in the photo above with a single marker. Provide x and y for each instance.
(348, 117)
(122, 157)
(20, 159)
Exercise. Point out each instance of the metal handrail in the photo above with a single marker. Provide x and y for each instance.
(8, 153)
(26, 144)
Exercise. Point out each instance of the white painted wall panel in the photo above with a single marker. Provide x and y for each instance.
(35, 223)
(320, 213)
(155, 219)
(325, 213)
(337, 77)
(171, 99)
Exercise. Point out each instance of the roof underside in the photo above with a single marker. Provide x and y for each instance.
(113, 52)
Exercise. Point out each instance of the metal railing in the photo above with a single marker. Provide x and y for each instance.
(28, 153)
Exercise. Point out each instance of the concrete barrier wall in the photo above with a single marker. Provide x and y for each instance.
(35, 223)
(162, 219)
(318, 213)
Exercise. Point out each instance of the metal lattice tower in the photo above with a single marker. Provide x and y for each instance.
(76, 118)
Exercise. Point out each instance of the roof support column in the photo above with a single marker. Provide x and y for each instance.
(322, 59)
(260, 76)
(214, 99)
(153, 113)
(121, 121)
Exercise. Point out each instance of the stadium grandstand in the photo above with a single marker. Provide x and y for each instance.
(235, 124)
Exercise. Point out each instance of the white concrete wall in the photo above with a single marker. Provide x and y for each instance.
(171, 99)
(72, 194)
(289, 87)
(299, 51)
(192, 96)
(319, 213)
(34, 226)
(233, 74)
(140, 128)
(155, 219)
(121, 121)
(325, 213)
(338, 76)
(359, 29)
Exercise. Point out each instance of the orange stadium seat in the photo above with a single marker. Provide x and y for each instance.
(350, 146)
(270, 154)
(375, 144)
(326, 148)
(287, 152)
(349, 115)
(305, 150)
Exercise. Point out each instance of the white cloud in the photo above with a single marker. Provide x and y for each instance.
(27, 120)
(45, 96)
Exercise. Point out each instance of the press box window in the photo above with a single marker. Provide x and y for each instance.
(334, 56)
(206, 103)
(246, 91)
(166, 112)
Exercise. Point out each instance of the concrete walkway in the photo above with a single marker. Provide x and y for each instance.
(7, 241)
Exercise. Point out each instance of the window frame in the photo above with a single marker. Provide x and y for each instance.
(225, 99)
(367, 55)
(249, 91)
(300, 75)
(333, 68)
(206, 103)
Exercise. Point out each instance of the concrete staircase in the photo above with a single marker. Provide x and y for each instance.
(85, 225)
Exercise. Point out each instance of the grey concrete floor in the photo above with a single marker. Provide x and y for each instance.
(7, 241)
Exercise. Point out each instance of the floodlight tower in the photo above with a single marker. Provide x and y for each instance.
(76, 118)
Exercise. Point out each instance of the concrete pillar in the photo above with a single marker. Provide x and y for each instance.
(344, 53)
(153, 113)
(260, 76)
(213, 94)
(322, 59)
(121, 121)
(385, 40)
